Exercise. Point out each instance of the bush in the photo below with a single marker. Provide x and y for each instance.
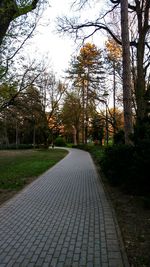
(141, 163)
(141, 168)
(14, 146)
(128, 167)
(119, 137)
(81, 146)
(116, 163)
(125, 166)
(59, 141)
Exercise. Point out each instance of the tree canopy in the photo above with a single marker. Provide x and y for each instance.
(12, 9)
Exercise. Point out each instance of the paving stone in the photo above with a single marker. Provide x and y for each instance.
(45, 264)
(68, 262)
(39, 262)
(63, 219)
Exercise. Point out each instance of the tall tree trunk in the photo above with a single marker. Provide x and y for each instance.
(114, 96)
(143, 21)
(87, 108)
(127, 93)
(107, 128)
(83, 112)
(140, 82)
(74, 135)
(16, 134)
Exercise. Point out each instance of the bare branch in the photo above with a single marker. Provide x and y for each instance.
(109, 11)
(25, 82)
(18, 49)
(80, 4)
(70, 26)
(133, 8)
(115, 1)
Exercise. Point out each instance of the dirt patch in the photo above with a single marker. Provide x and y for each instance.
(134, 222)
(6, 194)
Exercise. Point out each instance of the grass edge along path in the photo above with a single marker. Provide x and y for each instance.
(18, 168)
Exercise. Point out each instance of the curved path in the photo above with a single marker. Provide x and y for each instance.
(62, 219)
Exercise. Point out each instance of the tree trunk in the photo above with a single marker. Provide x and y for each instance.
(87, 109)
(16, 134)
(114, 96)
(83, 113)
(74, 135)
(143, 18)
(127, 92)
(140, 82)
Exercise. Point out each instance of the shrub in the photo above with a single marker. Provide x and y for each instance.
(141, 168)
(81, 146)
(128, 167)
(14, 146)
(125, 166)
(59, 141)
(117, 162)
(119, 137)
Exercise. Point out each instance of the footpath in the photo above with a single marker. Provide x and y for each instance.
(62, 219)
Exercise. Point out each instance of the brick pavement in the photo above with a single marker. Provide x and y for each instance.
(62, 219)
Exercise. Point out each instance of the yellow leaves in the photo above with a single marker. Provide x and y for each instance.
(114, 50)
(88, 54)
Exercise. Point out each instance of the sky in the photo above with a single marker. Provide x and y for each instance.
(59, 49)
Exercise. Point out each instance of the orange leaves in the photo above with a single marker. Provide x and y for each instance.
(88, 54)
(114, 50)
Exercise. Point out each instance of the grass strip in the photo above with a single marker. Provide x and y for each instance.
(17, 167)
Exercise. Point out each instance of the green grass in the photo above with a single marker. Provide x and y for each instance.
(18, 167)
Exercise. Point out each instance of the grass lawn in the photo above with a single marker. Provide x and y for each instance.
(19, 167)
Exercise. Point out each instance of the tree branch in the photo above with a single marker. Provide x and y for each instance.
(115, 1)
(9, 11)
(14, 54)
(70, 26)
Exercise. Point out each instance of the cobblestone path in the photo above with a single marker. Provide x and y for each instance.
(62, 219)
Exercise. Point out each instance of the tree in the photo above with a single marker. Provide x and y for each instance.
(12, 9)
(71, 114)
(97, 128)
(127, 87)
(140, 13)
(114, 56)
(26, 76)
(35, 116)
(25, 121)
(18, 21)
(52, 92)
(88, 76)
(141, 10)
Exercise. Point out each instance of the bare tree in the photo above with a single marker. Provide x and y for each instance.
(52, 91)
(20, 81)
(19, 30)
